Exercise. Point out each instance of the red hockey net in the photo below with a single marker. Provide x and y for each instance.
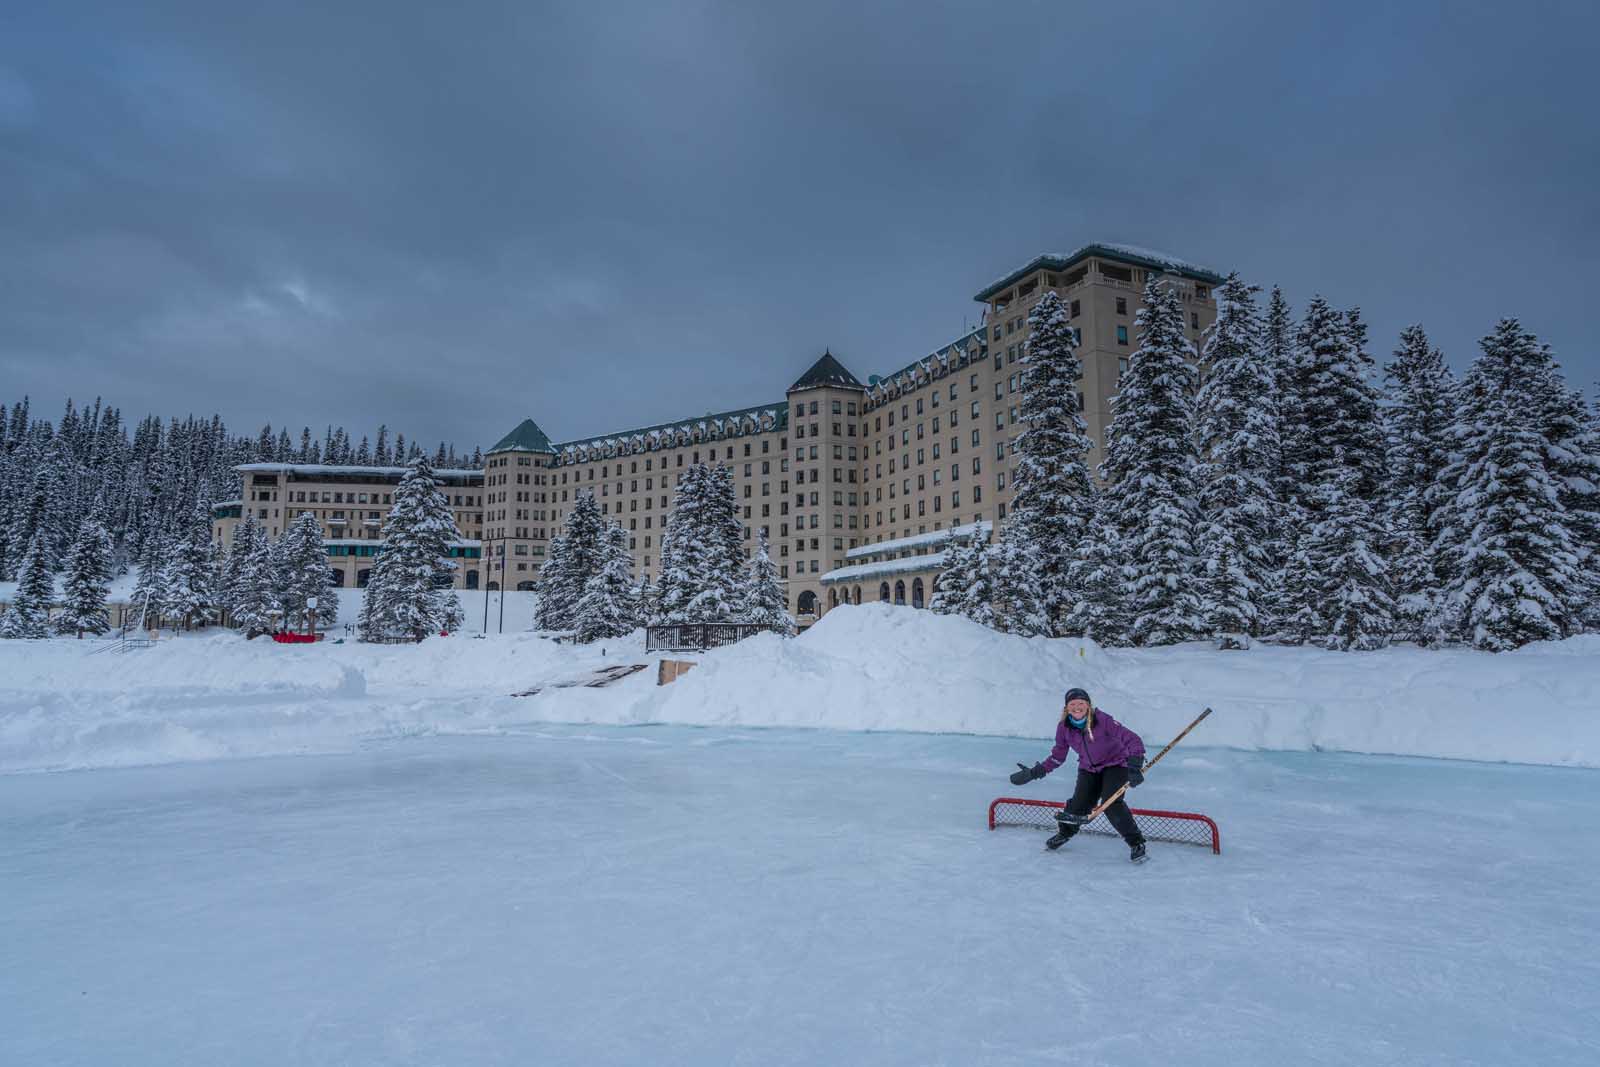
(1178, 827)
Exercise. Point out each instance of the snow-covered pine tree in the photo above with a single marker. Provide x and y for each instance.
(1296, 616)
(1149, 474)
(1337, 404)
(644, 595)
(1347, 569)
(965, 586)
(950, 587)
(306, 574)
(607, 608)
(732, 562)
(411, 581)
(690, 555)
(1503, 526)
(1420, 391)
(1237, 436)
(29, 615)
(190, 580)
(552, 610)
(1051, 502)
(1572, 456)
(1519, 557)
(151, 589)
(1279, 352)
(1099, 575)
(87, 583)
(244, 539)
(716, 592)
(764, 592)
(254, 588)
(570, 564)
(1013, 568)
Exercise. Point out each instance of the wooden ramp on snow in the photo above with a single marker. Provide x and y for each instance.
(593, 680)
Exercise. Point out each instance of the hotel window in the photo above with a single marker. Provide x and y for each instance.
(1122, 335)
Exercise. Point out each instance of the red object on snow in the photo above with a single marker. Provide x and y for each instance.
(296, 639)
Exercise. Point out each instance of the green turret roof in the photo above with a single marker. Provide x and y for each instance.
(827, 371)
(527, 437)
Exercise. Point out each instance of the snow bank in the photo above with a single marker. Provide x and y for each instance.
(214, 696)
(873, 667)
(881, 668)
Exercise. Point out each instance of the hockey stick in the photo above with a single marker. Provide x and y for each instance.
(1079, 820)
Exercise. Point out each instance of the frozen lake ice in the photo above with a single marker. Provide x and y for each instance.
(613, 895)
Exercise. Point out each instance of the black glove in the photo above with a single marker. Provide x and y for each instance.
(1027, 774)
(1135, 767)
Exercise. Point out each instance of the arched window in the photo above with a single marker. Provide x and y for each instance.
(472, 579)
(363, 577)
(883, 591)
(916, 592)
(856, 596)
(524, 587)
(808, 603)
(338, 576)
(899, 592)
(494, 587)
(833, 597)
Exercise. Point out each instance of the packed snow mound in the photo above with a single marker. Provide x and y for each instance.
(873, 667)
(878, 667)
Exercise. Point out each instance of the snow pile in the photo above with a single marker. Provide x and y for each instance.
(219, 696)
(873, 667)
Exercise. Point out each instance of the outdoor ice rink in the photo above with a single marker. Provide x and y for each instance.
(680, 895)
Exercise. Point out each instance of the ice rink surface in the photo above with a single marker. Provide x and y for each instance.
(672, 895)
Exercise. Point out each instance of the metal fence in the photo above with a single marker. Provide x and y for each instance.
(697, 636)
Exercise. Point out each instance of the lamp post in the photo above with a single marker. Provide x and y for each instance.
(502, 585)
(487, 570)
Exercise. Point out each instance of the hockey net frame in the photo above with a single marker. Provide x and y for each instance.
(1176, 827)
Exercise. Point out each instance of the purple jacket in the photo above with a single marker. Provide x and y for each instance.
(1111, 746)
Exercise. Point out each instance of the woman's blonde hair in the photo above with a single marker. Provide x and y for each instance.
(1088, 719)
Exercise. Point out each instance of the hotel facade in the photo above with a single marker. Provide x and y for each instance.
(855, 483)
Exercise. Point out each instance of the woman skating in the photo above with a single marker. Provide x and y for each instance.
(1109, 755)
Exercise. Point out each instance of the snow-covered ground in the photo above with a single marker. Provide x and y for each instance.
(874, 667)
(666, 895)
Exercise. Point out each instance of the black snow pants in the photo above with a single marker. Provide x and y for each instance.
(1095, 786)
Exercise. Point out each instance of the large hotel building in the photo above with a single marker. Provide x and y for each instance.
(856, 483)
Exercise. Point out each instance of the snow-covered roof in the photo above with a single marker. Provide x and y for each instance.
(921, 540)
(465, 542)
(884, 568)
(228, 504)
(958, 353)
(762, 418)
(448, 474)
(1142, 257)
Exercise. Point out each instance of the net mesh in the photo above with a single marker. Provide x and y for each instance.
(1176, 827)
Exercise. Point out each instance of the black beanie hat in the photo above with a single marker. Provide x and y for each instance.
(1077, 694)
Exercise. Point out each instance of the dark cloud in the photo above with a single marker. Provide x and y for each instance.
(603, 215)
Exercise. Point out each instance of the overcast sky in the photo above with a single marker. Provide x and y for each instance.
(449, 217)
